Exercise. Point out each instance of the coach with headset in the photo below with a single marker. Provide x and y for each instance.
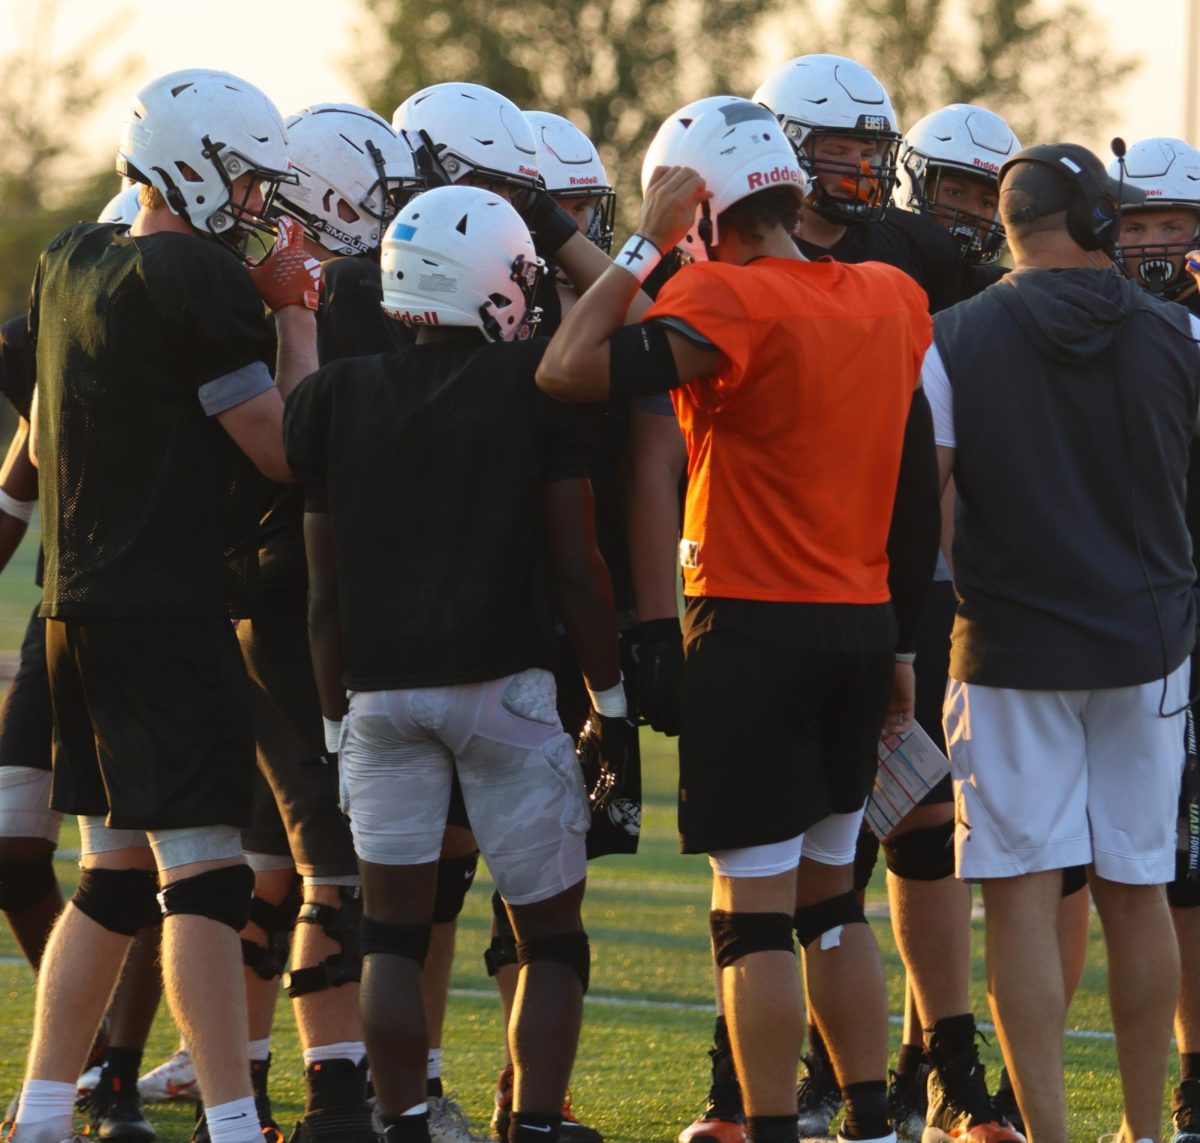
(1064, 400)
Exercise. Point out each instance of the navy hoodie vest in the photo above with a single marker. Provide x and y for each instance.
(1075, 401)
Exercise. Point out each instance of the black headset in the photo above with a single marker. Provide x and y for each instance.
(1093, 218)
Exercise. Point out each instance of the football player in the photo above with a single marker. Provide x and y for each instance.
(444, 670)
(1156, 238)
(155, 413)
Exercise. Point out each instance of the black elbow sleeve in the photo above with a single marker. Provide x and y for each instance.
(916, 522)
(640, 362)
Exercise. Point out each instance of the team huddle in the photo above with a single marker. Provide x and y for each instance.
(368, 477)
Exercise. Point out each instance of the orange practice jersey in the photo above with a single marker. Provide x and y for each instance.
(794, 443)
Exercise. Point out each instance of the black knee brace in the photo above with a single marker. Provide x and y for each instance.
(25, 883)
(276, 921)
(570, 949)
(866, 853)
(119, 900)
(813, 921)
(454, 877)
(735, 935)
(220, 895)
(503, 949)
(341, 923)
(922, 854)
(410, 941)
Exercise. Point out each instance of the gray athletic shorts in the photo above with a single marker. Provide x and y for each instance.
(520, 779)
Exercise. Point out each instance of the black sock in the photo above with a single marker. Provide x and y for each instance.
(866, 1110)
(950, 1038)
(433, 1087)
(721, 1039)
(531, 1127)
(406, 1128)
(1189, 1065)
(910, 1059)
(339, 1084)
(772, 1128)
(122, 1063)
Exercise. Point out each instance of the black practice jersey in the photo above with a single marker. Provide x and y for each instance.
(148, 507)
(911, 242)
(432, 462)
(17, 370)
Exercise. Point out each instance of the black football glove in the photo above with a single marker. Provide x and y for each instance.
(548, 223)
(657, 649)
(612, 774)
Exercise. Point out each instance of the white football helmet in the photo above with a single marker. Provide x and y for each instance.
(353, 172)
(123, 207)
(736, 147)
(190, 134)
(474, 131)
(823, 95)
(461, 256)
(961, 139)
(1168, 170)
(571, 169)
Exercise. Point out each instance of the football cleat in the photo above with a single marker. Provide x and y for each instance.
(115, 1111)
(1005, 1103)
(448, 1123)
(818, 1098)
(960, 1108)
(174, 1079)
(1185, 1112)
(86, 1084)
(571, 1131)
(907, 1103)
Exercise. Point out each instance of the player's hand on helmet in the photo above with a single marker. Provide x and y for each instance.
(289, 276)
(1193, 264)
(657, 650)
(604, 747)
(669, 206)
(549, 224)
(904, 697)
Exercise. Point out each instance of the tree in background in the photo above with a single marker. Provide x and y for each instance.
(618, 68)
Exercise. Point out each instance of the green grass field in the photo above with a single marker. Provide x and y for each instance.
(642, 1070)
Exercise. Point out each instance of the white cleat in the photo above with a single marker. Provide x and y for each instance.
(448, 1123)
(173, 1080)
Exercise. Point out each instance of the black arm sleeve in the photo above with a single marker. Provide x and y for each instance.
(640, 362)
(916, 522)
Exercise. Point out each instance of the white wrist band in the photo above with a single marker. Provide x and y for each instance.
(333, 734)
(906, 656)
(639, 256)
(18, 509)
(610, 703)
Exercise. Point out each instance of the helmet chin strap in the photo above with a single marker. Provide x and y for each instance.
(705, 229)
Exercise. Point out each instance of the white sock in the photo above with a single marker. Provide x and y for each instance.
(353, 1050)
(433, 1064)
(234, 1122)
(48, 1105)
(260, 1049)
(416, 1109)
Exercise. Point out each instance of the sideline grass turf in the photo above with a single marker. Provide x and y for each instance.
(641, 1073)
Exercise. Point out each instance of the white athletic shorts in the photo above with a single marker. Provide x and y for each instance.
(831, 841)
(25, 804)
(1050, 779)
(520, 779)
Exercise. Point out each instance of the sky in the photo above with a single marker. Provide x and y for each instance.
(299, 51)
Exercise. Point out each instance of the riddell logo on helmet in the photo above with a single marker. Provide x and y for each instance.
(426, 318)
(581, 181)
(528, 171)
(985, 165)
(756, 180)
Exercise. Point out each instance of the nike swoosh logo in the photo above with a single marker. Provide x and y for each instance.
(174, 1088)
(530, 1127)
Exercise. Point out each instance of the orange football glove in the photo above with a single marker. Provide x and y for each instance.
(288, 276)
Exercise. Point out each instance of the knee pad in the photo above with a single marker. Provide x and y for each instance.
(735, 935)
(1182, 893)
(341, 923)
(866, 853)
(410, 941)
(454, 878)
(1074, 878)
(276, 921)
(220, 895)
(25, 883)
(813, 921)
(922, 854)
(119, 900)
(570, 949)
(503, 949)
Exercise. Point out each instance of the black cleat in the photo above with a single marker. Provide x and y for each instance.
(818, 1098)
(908, 1102)
(115, 1110)
(1185, 1112)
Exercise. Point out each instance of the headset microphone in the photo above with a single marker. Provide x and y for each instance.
(1118, 150)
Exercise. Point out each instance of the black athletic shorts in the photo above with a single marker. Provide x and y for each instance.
(26, 722)
(152, 722)
(291, 745)
(932, 670)
(774, 739)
